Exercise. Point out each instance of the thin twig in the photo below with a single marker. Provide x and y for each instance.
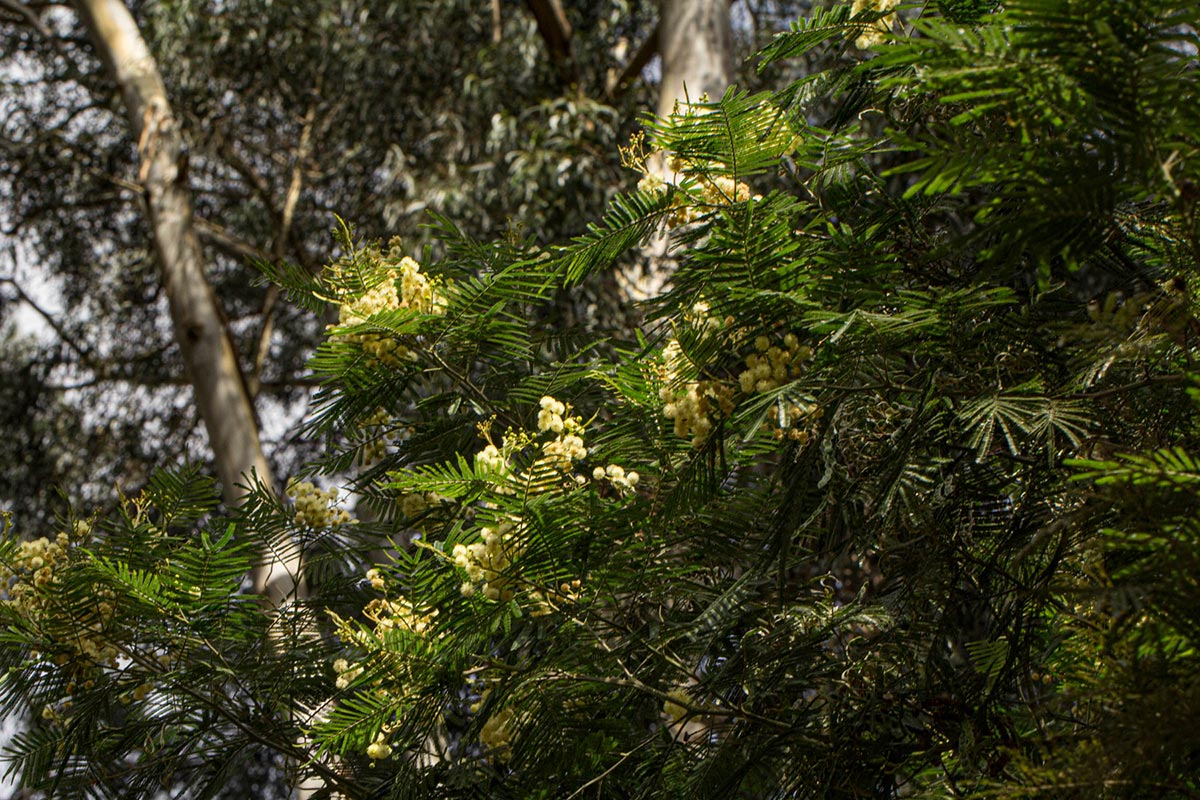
(30, 16)
(617, 85)
(87, 357)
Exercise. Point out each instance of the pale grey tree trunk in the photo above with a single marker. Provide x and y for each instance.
(695, 41)
(209, 357)
(200, 330)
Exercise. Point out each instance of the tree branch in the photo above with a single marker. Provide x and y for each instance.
(31, 18)
(222, 239)
(616, 84)
(282, 236)
(556, 32)
(50, 320)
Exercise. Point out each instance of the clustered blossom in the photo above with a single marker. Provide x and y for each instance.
(497, 731)
(567, 447)
(546, 602)
(316, 508)
(376, 579)
(397, 614)
(488, 563)
(550, 418)
(379, 749)
(30, 585)
(414, 504)
(770, 367)
(33, 567)
(676, 707)
(624, 482)
(878, 32)
(391, 616)
(404, 286)
(694, 405)
(491, 459)
(700, 189)
(379, 428)
(697, 405)
(346, 673)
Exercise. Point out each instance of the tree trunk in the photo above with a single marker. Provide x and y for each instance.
(696, 43)
(695, 40)
(208, 354)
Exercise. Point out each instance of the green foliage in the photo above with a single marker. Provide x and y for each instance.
(877, 505)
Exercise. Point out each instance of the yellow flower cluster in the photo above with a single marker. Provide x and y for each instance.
(624, 482)
(389, 615)
(379, 749)
(694, 405)
(30, 586)
(675, 708)
(376, 579)
(398, 614)
(415, 504)
(488, 563)
(497, 731)
(548, 601)
(771, 366)
(491, 459)
(33, 567)
(346, 673)
(550, 417)
(567, 447)
(316, 508)
(878, 32)
(404, 286)
(700, 189)
(378, 428)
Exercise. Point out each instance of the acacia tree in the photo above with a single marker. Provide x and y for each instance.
(880, 506)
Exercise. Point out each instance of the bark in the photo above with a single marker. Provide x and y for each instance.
(696, 43)
(210, 360)
(695, 39)
(209, 357)
(555, 30)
